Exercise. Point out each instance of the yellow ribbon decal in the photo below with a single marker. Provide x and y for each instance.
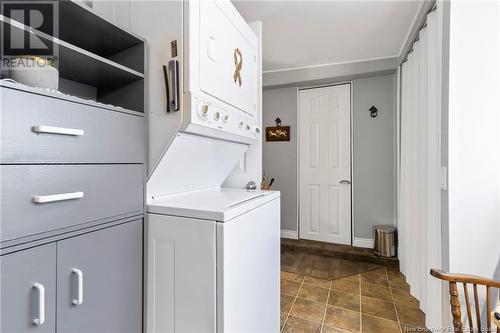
(238, 63)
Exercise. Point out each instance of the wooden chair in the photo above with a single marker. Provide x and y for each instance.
(453, 280)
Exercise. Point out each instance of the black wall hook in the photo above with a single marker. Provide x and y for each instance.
(373, 111)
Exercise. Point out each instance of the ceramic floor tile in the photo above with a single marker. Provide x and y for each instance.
(328, 295)
(342, 268)
(354, 277)
(399, 285)
(379, 271)
(374, 291)
(292, 276)
(321, 266)
(289, 287)
(344, 300)
(328, 329)
(320, 273)
(411, 316)
(286, 302)
(313, 293)
(379, 308)
(379, 325)
(403, 297)
(413, 329)
(298, 325)
(396, 276)
(308, 310)
(379, 280)
(317, 282)
(346, 285)
(282, 319)
(342, 318)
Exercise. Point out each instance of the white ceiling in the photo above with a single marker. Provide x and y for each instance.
(302, 33)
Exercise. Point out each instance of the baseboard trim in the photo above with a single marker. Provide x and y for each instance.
(289, 234)
(363, 242)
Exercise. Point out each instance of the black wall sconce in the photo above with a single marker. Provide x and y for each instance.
(373, 111)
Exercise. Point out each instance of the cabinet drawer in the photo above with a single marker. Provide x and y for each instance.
(41, 129)
(38, 198)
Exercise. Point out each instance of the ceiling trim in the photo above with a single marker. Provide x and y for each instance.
(318, 74)
(328, 64)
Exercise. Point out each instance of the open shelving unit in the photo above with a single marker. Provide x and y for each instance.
(97, 60)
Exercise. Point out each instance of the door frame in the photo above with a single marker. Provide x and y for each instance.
(341, 83)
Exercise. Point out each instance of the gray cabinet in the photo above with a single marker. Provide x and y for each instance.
(99, 278)
(105, 190)
(90, 283)
(28, 290)
(42, 129)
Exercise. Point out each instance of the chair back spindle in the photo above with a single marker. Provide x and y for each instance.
(454, 280)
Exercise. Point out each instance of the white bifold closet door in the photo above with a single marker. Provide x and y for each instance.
(419, 190)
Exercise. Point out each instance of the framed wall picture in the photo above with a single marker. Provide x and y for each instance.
(278, 133)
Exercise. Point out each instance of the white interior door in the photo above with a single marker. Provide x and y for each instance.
(325, 164)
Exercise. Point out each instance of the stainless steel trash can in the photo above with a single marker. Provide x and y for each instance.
(386, 241)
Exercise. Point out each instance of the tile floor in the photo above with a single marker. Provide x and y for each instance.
(372, 302)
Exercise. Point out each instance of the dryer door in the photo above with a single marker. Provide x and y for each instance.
(228, 56)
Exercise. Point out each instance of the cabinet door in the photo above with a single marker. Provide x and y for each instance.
(28, 290)
(100, 281)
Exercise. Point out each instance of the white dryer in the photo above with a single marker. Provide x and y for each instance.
(214, 262)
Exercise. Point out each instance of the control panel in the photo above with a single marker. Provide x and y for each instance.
(233, 121)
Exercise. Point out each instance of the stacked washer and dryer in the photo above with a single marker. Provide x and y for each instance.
(213, 254)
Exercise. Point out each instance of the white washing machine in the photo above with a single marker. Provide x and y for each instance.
(213, 255)
(214, 262)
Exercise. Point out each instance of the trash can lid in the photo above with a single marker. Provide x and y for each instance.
(384, 228)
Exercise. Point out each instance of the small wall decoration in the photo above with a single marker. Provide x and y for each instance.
(373, 111)
(278, 132)
(238, 64)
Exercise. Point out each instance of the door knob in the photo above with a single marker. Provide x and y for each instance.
(345, 182)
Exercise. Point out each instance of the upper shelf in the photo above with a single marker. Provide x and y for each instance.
(80, 65)
(96, 59)
(94, 33)
(80, 26)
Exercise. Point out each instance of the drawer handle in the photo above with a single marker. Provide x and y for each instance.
(40, 318)
(57, 197)
(58, 130)
(79, 286)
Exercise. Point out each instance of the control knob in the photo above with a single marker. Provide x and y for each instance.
(203, 111)
(217, 116)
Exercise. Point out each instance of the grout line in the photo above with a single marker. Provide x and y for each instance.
(360, 304)
(394, 302)
(326, 306)
(296, 296)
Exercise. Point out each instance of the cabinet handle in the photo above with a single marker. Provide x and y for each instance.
(58, 130)
(79, 287)
(40, 199)
(40, 319)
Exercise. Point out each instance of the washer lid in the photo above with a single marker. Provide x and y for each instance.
(215, 204)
